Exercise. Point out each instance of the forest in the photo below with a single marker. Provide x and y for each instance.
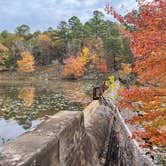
(99, 35)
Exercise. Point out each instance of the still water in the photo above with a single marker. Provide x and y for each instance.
(25, 105)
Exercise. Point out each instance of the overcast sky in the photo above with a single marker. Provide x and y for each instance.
(41, 14)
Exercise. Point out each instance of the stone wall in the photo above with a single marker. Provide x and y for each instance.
(62, 140)
(74, 139)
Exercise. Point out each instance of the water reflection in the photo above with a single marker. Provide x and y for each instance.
(75, 92)
(27, 94)
(24, 104)
(8, 126)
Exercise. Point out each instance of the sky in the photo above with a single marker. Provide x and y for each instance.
(41, 14)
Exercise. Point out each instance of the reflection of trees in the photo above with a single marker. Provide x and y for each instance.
(75, 92)
(3, 140)
(27, 94)
(16, 103)
(29, 103)
(2, 102)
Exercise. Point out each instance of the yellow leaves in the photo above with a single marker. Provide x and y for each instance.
(84, 55)
(110, 83)
(111, 79)
(27, 94)
(26, 64)
(85, 51)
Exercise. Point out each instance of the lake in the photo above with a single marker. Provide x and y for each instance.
(25, 105)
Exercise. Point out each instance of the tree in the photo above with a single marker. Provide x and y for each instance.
(148, 96)
(23, 30)
(114, 46)
(68, 39)
(63, 30)
(43, 49)
(75, 66)
(4, 34)
(4, 57)
(75, 26)
(63, 34)
(124, 74)
(58, 47)
(95, 46)
(26, 64)
(75, 35)
(97, 23)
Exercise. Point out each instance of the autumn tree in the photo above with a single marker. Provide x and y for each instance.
(26, 64)
(125, 73)
(84, 62)
(4, 54)
(147, 42)
(75, 66)
(16, 43)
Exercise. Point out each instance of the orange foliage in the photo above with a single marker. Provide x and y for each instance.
(27, 94)
(148, 46)
(26, 64)
(125, 71)
(75, 65)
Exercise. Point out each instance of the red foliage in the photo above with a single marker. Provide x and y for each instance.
(102, 66)
(147, 42)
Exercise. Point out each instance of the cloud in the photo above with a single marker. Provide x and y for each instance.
(41, 14)
(127, 5)
(90, 2)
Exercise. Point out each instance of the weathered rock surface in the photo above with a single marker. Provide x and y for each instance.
(75, 139)
(60, 141)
